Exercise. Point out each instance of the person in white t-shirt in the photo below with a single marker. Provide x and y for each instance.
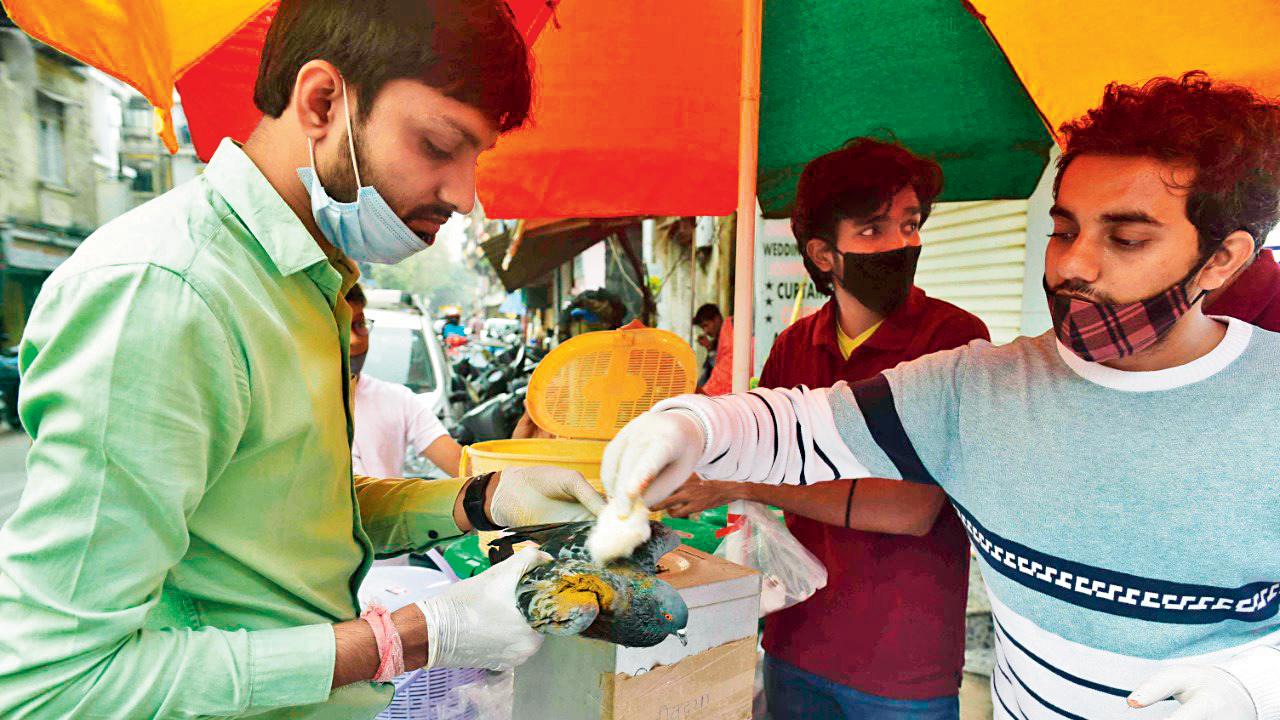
(389, 417)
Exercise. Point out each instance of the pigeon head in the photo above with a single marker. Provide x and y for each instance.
(673, 611)
(660, 611)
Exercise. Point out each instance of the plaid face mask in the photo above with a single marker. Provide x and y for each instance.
(1098, 332)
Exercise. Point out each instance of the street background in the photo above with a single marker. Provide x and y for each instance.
(13, 455)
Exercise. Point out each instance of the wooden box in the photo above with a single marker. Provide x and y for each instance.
(713, 678)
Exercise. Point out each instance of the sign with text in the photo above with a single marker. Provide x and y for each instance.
(780, 273)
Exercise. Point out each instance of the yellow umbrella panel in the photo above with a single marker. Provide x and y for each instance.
(1066, 51)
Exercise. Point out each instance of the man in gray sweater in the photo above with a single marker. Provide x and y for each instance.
(1130, 555)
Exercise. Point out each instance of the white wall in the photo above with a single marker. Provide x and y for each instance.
(973, 257)
(1035, 310)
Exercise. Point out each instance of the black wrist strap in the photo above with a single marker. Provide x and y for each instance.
(848, 506)
(473, 503)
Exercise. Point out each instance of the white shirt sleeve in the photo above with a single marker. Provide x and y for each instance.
(902, 425)
(422, 427)
(771, 436)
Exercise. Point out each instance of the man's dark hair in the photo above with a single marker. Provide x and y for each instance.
(355, 296)
(706, 313)
(854, 183)
(1228, 134)
(606, 306)
(470, 50)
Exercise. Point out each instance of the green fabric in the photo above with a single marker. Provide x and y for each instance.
(924, 70)
(464, 556)
(189, 528)
(696, 533)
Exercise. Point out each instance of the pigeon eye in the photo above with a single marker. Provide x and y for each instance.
(666, 615)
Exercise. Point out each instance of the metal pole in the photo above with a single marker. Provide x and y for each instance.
(748, 158)
(745, 251)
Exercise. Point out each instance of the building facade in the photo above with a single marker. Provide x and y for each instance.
(48, 201)
(80, 149)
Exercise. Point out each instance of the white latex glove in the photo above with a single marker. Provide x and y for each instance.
(652, 456)
(475, 623)
(647, 461)
(535, 495)
(1206, 693)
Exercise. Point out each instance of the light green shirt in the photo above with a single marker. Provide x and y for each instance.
(190, 527)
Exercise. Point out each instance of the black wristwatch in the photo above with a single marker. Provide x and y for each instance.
(473, 503)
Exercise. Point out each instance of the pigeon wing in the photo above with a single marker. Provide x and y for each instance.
(662, 540)
(562, 541)
(563, 599)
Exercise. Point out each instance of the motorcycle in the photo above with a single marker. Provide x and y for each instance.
(493, 419)
(486, 373)
(498, 387)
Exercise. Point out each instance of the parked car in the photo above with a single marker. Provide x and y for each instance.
(403, 349)
(390, 299)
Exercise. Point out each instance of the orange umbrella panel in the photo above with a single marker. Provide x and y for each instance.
(636, 112)
(208, 50)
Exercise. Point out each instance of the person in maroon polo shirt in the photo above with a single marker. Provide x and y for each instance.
(884, 640)
(1252, 296)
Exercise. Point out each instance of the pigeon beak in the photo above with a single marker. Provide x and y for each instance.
(683, 637)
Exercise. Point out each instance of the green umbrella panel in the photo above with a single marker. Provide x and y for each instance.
(924, 72)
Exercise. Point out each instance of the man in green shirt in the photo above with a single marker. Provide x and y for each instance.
(190, 540)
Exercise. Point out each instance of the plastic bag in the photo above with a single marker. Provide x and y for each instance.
(760, 540)
(488, 699)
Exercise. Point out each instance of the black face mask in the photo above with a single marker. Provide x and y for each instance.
(357, 363)
(882, 280)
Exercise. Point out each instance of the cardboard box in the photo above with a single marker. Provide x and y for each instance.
(713, 678)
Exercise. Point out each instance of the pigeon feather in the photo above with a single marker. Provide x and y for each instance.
(622, 602)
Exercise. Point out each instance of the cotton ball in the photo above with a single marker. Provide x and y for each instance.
(619, 530)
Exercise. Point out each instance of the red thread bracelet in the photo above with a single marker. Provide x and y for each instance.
(390, 648)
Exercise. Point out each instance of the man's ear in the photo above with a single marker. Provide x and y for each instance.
(317, 99)
(821, 254)
(1232, 256)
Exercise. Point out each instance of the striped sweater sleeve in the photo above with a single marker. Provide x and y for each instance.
(899, 425)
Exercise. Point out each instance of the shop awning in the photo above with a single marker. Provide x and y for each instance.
(545, 247)
(36, 249)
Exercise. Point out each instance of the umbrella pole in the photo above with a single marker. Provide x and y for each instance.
(745, 246)
(748, 158)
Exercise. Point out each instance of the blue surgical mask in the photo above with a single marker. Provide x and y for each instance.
(366, 230)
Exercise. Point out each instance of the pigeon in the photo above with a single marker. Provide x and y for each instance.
(622, 601)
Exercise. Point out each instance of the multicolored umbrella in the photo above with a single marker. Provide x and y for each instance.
(626, 156)
(638, 103)
(650, 108)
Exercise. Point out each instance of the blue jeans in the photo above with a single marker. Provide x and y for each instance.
(794, 694)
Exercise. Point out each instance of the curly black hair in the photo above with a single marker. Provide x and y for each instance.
(1229, 134)
(853, 183)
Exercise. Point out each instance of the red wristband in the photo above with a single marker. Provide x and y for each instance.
(390, 649)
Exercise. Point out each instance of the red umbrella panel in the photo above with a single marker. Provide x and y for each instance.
(217, 91)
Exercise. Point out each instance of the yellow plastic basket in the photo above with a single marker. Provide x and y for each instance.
(494, 455)
(594, 384)
(584, 391)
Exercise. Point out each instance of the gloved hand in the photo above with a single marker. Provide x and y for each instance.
(475, 623)
(535, 495)
(652, 456)
(1206, 693)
